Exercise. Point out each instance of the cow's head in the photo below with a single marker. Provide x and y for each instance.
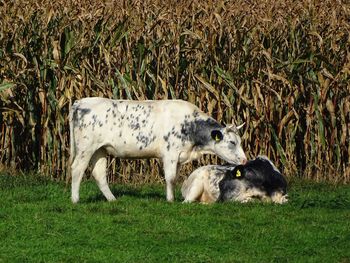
(227, 144)
(261, 180)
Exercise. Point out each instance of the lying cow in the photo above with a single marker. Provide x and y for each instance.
(257, 179)
(175, 131)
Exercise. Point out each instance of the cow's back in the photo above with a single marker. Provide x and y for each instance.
(159, 108)
(128, 128)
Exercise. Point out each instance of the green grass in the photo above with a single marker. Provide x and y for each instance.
(39, 224)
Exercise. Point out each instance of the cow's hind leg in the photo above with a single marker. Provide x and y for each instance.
(170, 171)
(195, 192)
(99, 171)
(79, 166)
(193, 188)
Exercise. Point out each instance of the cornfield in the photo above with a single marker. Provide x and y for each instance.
(281, 66)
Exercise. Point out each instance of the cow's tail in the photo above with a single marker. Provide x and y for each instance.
(72, 112)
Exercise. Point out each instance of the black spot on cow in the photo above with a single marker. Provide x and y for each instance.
(143, 140)
(94, 120)
(134, 126)
(152, 139)
(83, 112)
(198, 131)
(195, 114)
(166, 137)
(79, 114)
(109, 109)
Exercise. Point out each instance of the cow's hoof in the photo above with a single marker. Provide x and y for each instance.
(111, 199)
(75, 200)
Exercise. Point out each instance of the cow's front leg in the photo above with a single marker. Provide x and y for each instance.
(170, 172)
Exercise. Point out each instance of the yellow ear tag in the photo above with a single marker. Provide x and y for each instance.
(238, 173)
(217, 138)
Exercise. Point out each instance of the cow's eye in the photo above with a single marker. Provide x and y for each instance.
(232, 142)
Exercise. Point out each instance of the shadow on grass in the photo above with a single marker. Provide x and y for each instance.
(131, 192)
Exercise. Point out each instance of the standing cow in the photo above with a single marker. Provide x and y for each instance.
(175, 131)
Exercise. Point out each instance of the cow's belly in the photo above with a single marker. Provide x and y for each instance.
(131, 152)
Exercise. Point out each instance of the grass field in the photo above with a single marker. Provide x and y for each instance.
(39, 224)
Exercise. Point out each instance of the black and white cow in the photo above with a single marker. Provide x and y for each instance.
(257, 179)
(173, 130)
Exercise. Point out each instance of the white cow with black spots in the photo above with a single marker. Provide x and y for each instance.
(174, 131)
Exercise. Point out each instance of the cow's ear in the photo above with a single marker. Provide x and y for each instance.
(216, 135)
(238, 172)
